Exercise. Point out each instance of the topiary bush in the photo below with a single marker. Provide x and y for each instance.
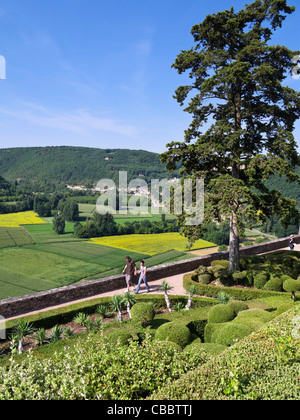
(221, 313)
(292, 286)
(238, 306)
(143, 313)
(240, 277)
(174, 331)
(274, 284)
(210, 329)
(261, 279)
(222, 263)
(211, 349)
(230, 333)
(204, 278)
(259, 314)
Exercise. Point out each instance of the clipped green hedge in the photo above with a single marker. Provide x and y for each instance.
(174, 331)
(143, 312)
(221, 313)
(230, 333)
(243, 294)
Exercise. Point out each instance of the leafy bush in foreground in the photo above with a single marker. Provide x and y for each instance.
(97, 369)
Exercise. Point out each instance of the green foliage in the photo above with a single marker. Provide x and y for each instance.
(264, 366)
(260, 280)
(96, 368)
(174, 331)
(231, 333)
(237, 81)
(120, 337)
(220, 313)
(143, 312)
(59, 223)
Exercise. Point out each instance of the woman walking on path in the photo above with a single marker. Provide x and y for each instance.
(143, 271)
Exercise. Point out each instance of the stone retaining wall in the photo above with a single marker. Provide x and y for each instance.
(21, 305)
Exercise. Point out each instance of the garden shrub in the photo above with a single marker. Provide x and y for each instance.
(240, 277)
(143, 312)
(167, 345)
(204, 278)
(253, 323)
(260, 280)
(174, 331)
(222, 263)
(254, 313)
(221, 313)
(211, 349)
(197, 326)
(231, 333)
(238, 306)
(210, 329)
(120, 337)
(275, 284)
(292, 286)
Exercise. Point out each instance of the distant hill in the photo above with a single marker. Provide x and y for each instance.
(78, 165)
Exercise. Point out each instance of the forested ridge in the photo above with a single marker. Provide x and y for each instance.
(78, 165)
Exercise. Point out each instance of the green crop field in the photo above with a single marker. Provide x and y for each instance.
(17, 236)
(35, 258)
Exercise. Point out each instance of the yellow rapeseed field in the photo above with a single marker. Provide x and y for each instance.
(150, 244)
(18, 219)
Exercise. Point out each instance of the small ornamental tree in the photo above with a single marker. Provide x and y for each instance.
(242, 119)
(292, 286)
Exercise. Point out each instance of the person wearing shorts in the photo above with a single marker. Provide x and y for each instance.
(129, 270)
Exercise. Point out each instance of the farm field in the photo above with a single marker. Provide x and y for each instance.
(16, 236)
(151, 244)
(20, 219)
(35, 258)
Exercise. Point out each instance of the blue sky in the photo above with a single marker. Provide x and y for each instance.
(98, 73)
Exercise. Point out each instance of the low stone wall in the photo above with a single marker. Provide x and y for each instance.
(24, 304)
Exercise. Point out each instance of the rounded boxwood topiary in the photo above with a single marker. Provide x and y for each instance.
(238, 306)
(259, 314)
(220, 313)
(274, 284)
(260, 280)
(231, 333)
(239, 277)
(142, 312)
(174, 331)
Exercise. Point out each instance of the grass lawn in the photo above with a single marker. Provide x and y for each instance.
(150, 244)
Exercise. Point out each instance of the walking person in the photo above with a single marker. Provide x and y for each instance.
(129, 270)
(143, 271)
(291, 242)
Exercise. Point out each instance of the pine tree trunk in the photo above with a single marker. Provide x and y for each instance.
(234, 244)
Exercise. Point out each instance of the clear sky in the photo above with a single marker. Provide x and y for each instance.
(97, 73)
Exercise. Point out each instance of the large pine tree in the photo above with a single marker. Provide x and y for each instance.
(242, 117)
